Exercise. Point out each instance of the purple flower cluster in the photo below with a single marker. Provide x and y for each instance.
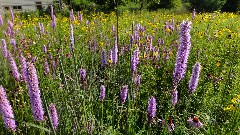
(71, 37)
(34, 92)
(104, 59)
(194, 78)
(46, 67)
(1, 21)
(79, 17)
(135, 60)
(183, 53)
(152, 108)
(102, 92)
(174, 97)
(72, 17)
(13, 66)
(124, 93)
(115, 52)
(54, 115)
(23, 63)
(4, 48)
(54, 21)
(138, 80)
(6, 111)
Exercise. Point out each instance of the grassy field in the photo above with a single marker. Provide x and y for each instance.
(63, 64)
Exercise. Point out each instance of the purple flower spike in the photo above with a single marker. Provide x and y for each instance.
(104, 59)
(135, 60)
(51, 10)
(46, 67)
(102, 92)
(13, 42)
(45, 49)
(183, 53)
(193, 14)
(54, 21)
(14, 68)
(54, 115)
(71, 37)
(115, 53)
(174, 97)
(1, 21)
(6, 111)
(152, 108)
(23, 63)
(72, 17)
(138, 80)
(79, 17)
(4, 48)
(12, 14)
(194, 78)
(83, 74)
(34, 92)
(124, 93)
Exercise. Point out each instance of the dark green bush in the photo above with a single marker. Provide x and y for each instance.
(207, 5)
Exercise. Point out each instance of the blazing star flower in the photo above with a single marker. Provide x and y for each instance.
(138, 80)
(115, 53)
(71, 37)
(46, 66)
(193, 14)
(13, 42)
(6, 111)
(23, 63)
(104, 59)
(54, 21)
(4, 48)
(124, 93)
(1, 21)
(83, 74)
(72, 17)
(194, 78)
(195, 122)
(12, 14)
(14, 68)
(135, 60)
(183, 53)
(152, 108)
(174, 97)
(51, 10)
(34, 92)
(79, 17)
(102, 92)
(54, 115)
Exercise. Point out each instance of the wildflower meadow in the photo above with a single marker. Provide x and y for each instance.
(120, 73)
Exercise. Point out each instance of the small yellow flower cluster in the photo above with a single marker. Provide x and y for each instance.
(233, 106)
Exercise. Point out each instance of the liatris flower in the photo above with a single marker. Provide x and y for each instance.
(13, 42)
(41, 26)
(1, 21)
(171, 126)
(152, 108)
(124, 93)
(138, 80)
(150, 43)
(195, 122)
(71, 38)
(83, 74)
(193, 14)
(23, 63)
(183, 53)
(54, 21)
(46, 66)
(51, 11)
(102, 92)
(6, 111)
(34, 92)
(104, 59)
(72, 17)
(135, 60)
(4, 48)
(44, 49)
(79, 17)
(14, 68)
(12, 15)
(54, 115)
(194, 78)
(174, 97)
(115, 52)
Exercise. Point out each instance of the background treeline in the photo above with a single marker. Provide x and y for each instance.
(180, 5)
